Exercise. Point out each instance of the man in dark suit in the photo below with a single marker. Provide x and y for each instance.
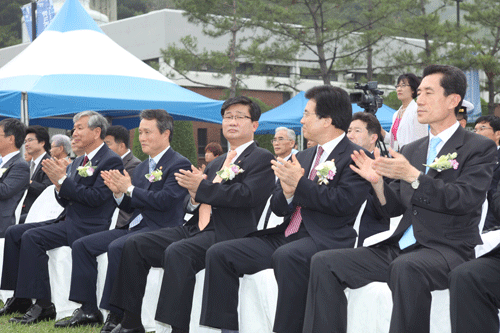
(318, 216)
(118, 140)
(489, 126)
(88, 204)
(441, 210)
(236, 204)
(475, 288)
(37, 145)
(60, 146)
(364, 131)
(475, 294)
(14, 172)
(150, 201)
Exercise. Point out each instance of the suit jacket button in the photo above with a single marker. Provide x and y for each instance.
(415, 212)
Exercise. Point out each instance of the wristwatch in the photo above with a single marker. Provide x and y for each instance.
(416, 182)
(61, 181)
(129, 190)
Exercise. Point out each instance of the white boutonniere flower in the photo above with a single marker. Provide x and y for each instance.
(2, 171)
(154, 176)
(325, 172)
(87, 170)
(228, 173)
(444, 162)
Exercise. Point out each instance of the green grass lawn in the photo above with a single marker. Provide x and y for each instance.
(43, 327)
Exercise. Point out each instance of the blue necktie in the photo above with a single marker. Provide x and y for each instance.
(408, 237)
(138, 218)
(152, 165)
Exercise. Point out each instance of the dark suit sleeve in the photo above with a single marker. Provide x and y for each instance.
(16, 179)
(453, 197)
(255, 186)
(167, 196)
(37, 187)
(97, 193)
(344, 198)
(495, 203)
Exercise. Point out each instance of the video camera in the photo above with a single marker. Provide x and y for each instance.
(370, 99)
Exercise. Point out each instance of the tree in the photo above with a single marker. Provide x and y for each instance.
(10, 22)
(485, 56)
(427, 39)
(183, 141)
(219, 19)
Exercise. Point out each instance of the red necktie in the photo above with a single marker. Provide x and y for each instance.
(85, 160)
(296, 218)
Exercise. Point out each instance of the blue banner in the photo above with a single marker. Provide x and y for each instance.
(44, 15)
(473, 94)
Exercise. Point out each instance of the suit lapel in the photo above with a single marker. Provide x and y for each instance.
(8, 165)
(452, 145)
(240, 158)
(162, 163)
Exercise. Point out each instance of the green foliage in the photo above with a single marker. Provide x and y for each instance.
(486, 45)
(484, 107)
(136, 148)
(392, 101)
(10, 22)
(183, 141)
(264, 140)
(228, 20)
(129, 8)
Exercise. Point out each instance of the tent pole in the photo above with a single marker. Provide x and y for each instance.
(24, 108)
(301, 142)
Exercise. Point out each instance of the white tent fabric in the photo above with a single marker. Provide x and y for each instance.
(73, 66)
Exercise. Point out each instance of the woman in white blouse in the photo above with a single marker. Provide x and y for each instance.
(405, 126)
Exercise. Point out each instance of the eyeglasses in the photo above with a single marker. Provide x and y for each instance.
(237, 118)
(279, 140)
(29, 140)
(401, 85)
(482, 128)
(307, 114)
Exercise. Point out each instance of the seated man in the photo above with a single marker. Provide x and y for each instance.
(14, 172)
(489, 126)
(118, 140)
(236, 205)
(60, 146)
(475, 290)
(150, 200)
(441, 212)
(88, 206)
(364, 131)
(319, 214)
(283, 142)
(38, 146)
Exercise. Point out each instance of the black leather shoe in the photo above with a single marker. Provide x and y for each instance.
(120, 329)
(36, 314)
(14, 304)
(80, 318)
(111, 322)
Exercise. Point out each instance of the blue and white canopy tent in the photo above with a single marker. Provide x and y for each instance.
(73, 66)
(289, 114)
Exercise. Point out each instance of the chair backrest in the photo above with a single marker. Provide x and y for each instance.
(114, 218)
(273, 219)
(45, 207)
(358, 221)
(484, 212)
(19, 208)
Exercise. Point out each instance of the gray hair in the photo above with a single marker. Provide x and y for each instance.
(61, 140)
(95, 120)
(289, 132)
